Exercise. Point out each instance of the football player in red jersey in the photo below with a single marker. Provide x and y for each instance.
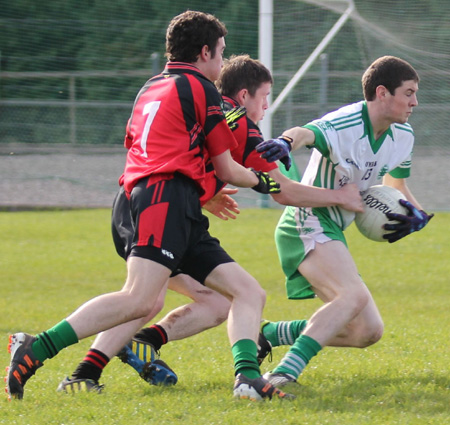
(243, 82)
(176, 123)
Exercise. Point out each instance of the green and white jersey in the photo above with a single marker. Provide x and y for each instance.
(346, 152)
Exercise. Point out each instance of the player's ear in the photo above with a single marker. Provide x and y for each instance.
(204, 53)
(381, 91)
(241, 96)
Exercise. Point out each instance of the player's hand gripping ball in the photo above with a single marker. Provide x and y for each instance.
(413, 221)
(377, 201)
(383, 205)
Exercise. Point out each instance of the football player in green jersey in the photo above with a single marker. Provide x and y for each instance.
(366, 143)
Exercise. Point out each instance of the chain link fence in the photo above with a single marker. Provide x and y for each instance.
(61, 132)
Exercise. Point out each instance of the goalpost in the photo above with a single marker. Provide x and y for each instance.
(317, 51)
(327, 45)
(266, 45)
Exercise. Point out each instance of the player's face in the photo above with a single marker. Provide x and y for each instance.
(214, 64)
(257, 104)
(401, 104)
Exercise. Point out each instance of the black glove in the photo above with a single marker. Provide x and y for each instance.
(233, 115)
(413, 222)
(276, 149)
(266, 183)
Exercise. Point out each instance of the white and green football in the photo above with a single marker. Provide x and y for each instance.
(378, 200)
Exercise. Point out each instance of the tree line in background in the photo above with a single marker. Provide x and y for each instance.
(84, 36)
(80, 35)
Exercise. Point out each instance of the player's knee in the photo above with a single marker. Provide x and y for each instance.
(220, 318)
(251, 291)
(260, 295)
(216, 306)
(141, 312)
(374, 334)
(221, 308)
(370, 335)
(255, 295)
(157, 307)
(143, 309)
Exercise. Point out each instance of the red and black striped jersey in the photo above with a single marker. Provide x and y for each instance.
(177, 123)
(248, 135)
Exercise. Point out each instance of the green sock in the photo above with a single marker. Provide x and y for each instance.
(51, 342)
(283, 333)
(245, 362)
(299, 355)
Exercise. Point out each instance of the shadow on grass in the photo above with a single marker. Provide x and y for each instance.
(426, 395)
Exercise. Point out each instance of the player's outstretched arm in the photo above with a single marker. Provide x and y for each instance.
(229, 171)
(301, 195)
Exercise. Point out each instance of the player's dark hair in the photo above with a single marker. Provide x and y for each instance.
(188, 32)
(242, 72)
(387, 71)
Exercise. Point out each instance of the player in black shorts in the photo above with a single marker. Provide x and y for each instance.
(243, 81)
(177, 124)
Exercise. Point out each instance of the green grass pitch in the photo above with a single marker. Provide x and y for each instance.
(52, 261)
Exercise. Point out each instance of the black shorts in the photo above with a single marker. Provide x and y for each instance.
(121, 224)
(163, 222)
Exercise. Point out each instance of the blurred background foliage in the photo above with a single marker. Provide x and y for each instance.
(69, 71)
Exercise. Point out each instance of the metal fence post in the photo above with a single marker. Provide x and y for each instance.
(72, 110)
(323, 91)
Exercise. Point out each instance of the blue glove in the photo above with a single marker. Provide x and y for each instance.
(233, 115)
(413, 222)
(276, 149)
(266, 184)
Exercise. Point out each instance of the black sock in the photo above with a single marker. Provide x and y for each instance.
(155, 335)
(92, 366)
